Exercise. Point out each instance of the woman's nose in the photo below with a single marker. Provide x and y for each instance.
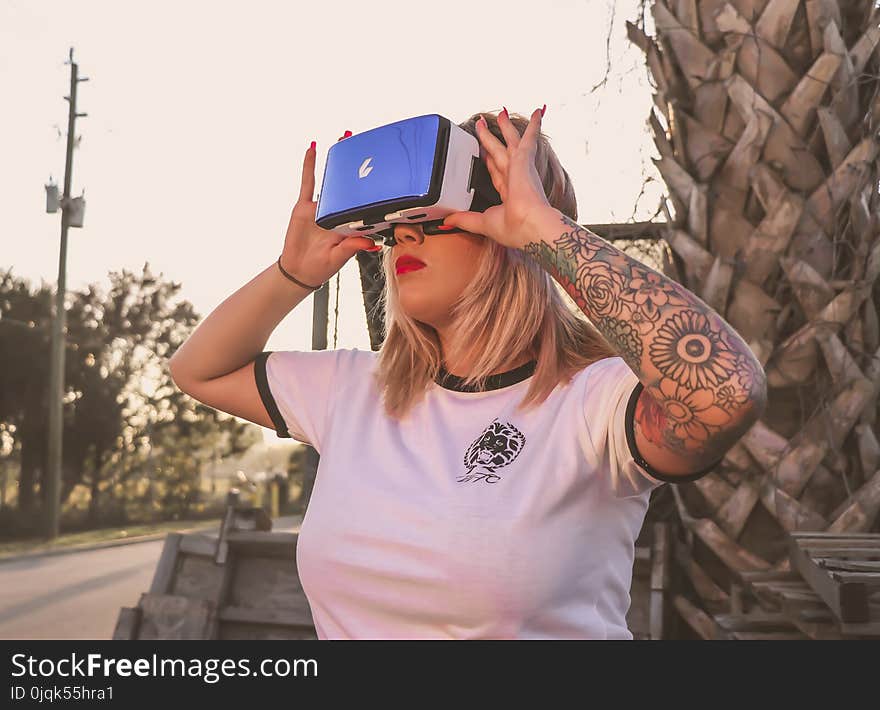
(409, 233)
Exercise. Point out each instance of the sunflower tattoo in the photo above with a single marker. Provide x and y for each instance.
(689, 351)
(706, 386)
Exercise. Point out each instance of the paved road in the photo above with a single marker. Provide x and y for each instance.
(78, 596)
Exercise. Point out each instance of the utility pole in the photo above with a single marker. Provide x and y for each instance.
(52, 477)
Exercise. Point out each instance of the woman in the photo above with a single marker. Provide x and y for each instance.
(486, 473)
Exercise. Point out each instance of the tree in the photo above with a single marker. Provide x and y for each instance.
(121, 407)
(766, 121)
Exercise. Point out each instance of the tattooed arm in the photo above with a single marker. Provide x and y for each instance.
(703, 386)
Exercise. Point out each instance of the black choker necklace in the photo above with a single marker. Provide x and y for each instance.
(493, 382)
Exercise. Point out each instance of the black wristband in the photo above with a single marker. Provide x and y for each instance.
(296, 280)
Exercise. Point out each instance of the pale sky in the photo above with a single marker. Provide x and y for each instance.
(199, 114)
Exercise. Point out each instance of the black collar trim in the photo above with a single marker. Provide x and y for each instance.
(493, 382)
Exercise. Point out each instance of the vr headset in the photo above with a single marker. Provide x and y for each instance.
(413, 171)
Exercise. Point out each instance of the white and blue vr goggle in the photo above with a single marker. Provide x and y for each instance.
(413, 171)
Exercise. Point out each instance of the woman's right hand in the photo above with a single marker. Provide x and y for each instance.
(313, 254)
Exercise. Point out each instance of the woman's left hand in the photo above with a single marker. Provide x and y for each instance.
(513, 172)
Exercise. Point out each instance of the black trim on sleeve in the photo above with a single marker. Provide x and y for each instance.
(266, 395)
(631, 441)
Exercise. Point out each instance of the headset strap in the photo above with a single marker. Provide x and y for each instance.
(485, 194)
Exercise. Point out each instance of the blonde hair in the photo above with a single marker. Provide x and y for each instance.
(511, 307)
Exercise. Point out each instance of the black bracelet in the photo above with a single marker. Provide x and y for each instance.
(296, 280)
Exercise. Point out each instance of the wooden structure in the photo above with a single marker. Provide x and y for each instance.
(831, 590)
(242, 584)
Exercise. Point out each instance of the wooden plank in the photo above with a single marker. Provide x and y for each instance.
(233, 631)
(851, 565)
(759, 620)
(768, 636)
(870, 628)
(833, 553)
(705, 586)
(659, 557)
(696, 618)
(847, 600)
(265, 582)
(197, 577)
(659, 578)
(167, 616)
(819, 623)
(221, 551)
(736, 557)
(301, 616)
(198, 544)
(766, 576)
(634, 230)
(163, 578)
(795, 599)
(846, 537)
(264, 544)
(127, 624)
(872, 578)
(224, 587)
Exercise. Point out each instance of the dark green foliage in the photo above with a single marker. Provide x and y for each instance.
(130, 435)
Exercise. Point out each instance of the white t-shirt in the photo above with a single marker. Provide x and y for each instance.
(466, 519)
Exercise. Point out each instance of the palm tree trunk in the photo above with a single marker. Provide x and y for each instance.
(765, 118)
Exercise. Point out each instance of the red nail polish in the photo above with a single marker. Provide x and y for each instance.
(506, 115)
(543, 110)
(312, 146)
(347, 134)
(445, 226)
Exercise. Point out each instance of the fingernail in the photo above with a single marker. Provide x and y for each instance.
(543, 110)
(347, 134)
(506, 115)
(445, 226)
(378, 247)
(312, 146)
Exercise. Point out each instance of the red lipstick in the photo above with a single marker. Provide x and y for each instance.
(408, 263)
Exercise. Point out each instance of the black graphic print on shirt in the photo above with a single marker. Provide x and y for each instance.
(497, 446)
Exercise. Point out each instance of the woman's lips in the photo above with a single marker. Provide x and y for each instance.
(408, 263)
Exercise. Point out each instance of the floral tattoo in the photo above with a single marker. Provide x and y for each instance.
(702, 382)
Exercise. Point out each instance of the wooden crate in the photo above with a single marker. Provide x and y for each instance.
(244, 585)
(844, 570)
(252, 592)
